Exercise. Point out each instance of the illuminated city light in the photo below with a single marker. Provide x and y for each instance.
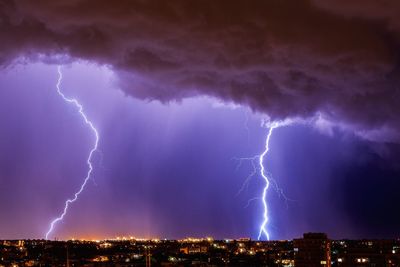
(79, 107)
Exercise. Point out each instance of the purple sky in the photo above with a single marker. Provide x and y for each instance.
(167, 170)
(177, 90)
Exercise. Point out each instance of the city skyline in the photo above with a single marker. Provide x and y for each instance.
(312, 249)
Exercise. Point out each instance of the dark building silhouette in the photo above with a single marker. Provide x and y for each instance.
(359, 253)
(313, 250)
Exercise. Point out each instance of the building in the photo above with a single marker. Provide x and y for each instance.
(362, 253)
(313, 250)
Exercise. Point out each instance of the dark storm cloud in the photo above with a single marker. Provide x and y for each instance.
(284, 58)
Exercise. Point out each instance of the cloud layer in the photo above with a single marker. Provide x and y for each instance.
(284, 58)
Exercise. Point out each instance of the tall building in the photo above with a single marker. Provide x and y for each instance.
(313, 250)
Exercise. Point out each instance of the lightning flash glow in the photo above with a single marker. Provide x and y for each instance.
(257, 165)
(267, 177)
(263, 227)
(79, 107)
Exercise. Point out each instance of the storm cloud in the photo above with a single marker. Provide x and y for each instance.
(282, 58)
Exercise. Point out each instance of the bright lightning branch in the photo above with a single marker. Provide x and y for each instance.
(85, 119)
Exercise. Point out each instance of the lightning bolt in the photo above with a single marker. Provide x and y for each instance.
(263, 227)
(79, 107)
(257, 164)
(267, 177)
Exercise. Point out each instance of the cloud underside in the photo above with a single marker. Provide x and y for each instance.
(283, 58)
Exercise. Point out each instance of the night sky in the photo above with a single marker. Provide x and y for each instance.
(178, 91)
